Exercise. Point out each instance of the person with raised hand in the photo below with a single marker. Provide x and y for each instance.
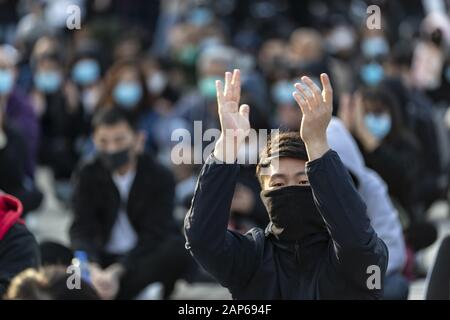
(234, 119)
(319, 243)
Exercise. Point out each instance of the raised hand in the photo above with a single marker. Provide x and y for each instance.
(234, 119)
(317, 108)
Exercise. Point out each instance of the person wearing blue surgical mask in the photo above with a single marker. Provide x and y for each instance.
(388, 147)
(6, 81)
(125, 87)
(374, 46)
(48, 76)
(372, 73)
(60, 119)
(378, 124)
(127, 94)
(288, 115)
(47, 81)
(86, 72)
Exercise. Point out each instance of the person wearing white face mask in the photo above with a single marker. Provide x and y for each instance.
(387, 146)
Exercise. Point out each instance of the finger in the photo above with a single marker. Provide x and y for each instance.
(305, 95)
(303, 104)
(219, 92)
(244, 110)
(236, 85)
(327, 92)
(228, 90)
(344, 105)
(358, 104)
(313, 88)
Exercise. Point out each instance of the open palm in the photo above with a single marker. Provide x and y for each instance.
(234, 120)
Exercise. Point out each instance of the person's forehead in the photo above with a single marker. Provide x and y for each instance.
(120, 128)
(128, 72)
(286, 166)
(47, 64)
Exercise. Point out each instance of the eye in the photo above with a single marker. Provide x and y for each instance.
(276, 184)
(304, 182)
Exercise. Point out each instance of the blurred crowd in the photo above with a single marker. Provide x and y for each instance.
(75, 100)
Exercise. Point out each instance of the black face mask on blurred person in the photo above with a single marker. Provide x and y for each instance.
(292, 212)
(114, 160)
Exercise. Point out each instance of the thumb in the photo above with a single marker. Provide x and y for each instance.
(244, 110)
(327, 92)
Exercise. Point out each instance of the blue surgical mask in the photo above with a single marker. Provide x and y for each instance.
(200, 17)
(127, 94)
(372, 73)
(378, 125)
(86, 72)
(207, 87)
(6, 81)
(374, 46)
(47, 81)
(282, 92)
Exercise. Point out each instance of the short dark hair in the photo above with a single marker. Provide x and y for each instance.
(47, 283)
(282, 145)
(112, 116)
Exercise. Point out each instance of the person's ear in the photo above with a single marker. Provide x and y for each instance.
(141, 138)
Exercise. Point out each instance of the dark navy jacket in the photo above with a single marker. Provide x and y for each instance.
(333, 265)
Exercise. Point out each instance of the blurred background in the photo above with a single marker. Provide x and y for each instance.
(391, 86)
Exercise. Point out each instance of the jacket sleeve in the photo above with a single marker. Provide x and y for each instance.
(84, 229)
(355, 245)
(229, 256)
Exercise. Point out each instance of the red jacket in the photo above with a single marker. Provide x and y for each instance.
(10, 212)
(18, 247)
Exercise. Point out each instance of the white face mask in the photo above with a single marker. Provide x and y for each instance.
(157, 82)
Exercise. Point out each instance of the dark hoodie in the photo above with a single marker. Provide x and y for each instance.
(18, 247)
(335, 264)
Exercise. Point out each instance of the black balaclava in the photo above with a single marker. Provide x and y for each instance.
(292, 212)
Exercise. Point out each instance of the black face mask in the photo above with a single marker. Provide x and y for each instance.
(114, 160)
(292, 212)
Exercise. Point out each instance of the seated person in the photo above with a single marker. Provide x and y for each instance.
(380, 210)
(18, 247)
(319, 243)
(123, 207)
(17, 108)
(13, 156)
